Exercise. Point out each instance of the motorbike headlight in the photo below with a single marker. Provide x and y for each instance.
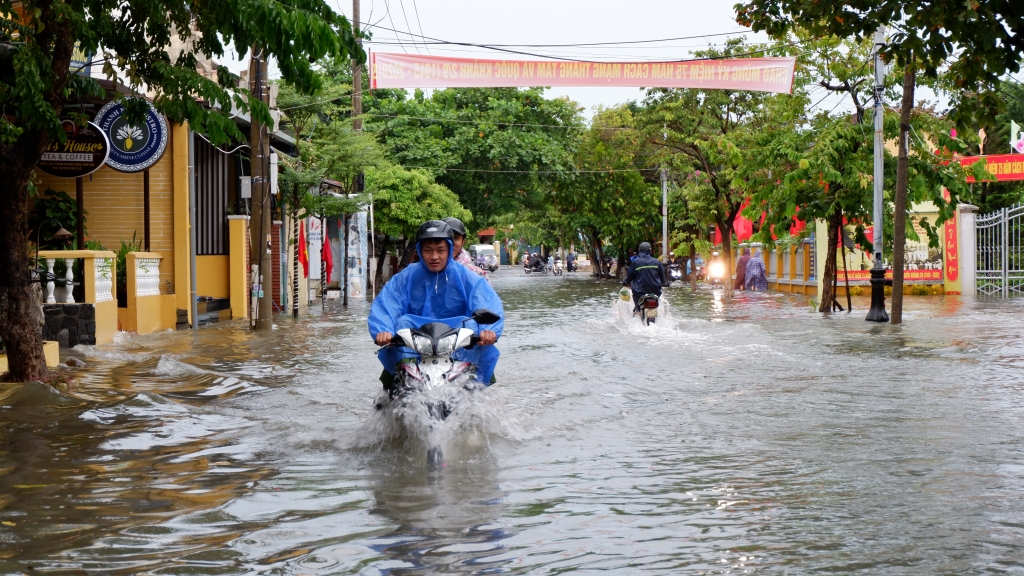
(424, 346)
(717, 270)
(447, 344)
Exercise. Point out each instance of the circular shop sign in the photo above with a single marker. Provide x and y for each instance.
(134, 146)
(83, 151)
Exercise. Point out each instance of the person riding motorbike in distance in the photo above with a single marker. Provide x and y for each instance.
(646, 275)
(436, 289)
(458, 240)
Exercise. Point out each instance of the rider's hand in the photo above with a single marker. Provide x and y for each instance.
(382, 338)
(487, 337)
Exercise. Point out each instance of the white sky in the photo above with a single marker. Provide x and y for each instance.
(555, 22)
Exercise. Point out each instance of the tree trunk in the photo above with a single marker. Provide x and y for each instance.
(828, 276)
(344, 267)
(378, 276)
(620, 264)
(407, 253)
(899, 222)
(693, 267)
(19, 327)
(727, 230)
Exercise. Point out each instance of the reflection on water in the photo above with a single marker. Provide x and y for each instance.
(734, 436)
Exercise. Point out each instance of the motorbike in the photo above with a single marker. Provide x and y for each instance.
(716, 272)
(675, 272)
(571, 266)
(487, 262)
(557, 269)
(435, 377)
(535, 265)
(648, 308)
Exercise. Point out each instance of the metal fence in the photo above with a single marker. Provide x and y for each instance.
(1000, 252)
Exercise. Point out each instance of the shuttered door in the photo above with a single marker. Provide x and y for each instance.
(211, 199)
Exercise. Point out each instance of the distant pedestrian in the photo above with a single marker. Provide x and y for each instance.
(741, 270)
(756, 275)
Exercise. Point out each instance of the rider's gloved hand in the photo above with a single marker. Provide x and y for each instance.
(382, 338)
(487, 337)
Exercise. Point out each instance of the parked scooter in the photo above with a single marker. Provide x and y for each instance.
(435, 378)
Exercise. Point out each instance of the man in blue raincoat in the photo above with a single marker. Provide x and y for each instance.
(646, 275)
(436, 289)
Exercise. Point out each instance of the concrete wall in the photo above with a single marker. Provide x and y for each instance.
(212, 276)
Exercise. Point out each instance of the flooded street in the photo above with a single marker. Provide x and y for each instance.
(747, 437)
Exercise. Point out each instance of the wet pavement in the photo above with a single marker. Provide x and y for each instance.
(748, 436)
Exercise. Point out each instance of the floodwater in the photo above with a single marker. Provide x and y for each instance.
(751, 436)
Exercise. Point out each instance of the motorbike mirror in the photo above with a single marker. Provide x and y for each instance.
(485, 316)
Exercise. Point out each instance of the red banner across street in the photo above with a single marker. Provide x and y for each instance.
(417, 71)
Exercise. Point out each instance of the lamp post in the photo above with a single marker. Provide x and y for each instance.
(60, 234)
(877, 312)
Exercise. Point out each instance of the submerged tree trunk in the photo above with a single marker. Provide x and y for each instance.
(19, 327)
(620, 264)
(899, 236)
(727, 231)
(344, 267)
(828, 276)
(378, 277)
(693, 267)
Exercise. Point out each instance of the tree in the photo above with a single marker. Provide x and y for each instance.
(714, 132)
(37, 38)
(303, 113)
(498, 149)
(404, 199)
(612, 197)
(974, 42)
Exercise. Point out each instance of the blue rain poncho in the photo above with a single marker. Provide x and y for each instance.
(416, 296)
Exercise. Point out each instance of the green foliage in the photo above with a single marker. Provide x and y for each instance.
(713, 135)
(972, 43)
(467, 134)
(54, 205)
(134, 41)
(132, 245)
(404, 199)
(624, 203)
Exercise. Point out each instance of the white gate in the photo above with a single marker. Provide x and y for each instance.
(1000, 252)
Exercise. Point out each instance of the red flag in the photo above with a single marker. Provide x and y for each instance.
(303, 250)
(325, 255)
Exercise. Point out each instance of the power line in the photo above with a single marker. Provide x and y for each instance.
(608, 171)
(501, 49)
(564, 126)
(387, 10)
(401, 4)
(419, 22)
(586, 44)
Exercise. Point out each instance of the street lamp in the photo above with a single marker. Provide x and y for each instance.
(60, 234)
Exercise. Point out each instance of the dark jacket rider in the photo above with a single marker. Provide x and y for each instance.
(646, 274)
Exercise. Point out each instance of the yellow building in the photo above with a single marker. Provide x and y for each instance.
(157, 295)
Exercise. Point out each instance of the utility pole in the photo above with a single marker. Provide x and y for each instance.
(357, 125)
(259, 225)
(664, 207)
(877, 312)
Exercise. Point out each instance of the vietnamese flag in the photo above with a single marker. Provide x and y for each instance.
(325, 257)
(303, 251)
